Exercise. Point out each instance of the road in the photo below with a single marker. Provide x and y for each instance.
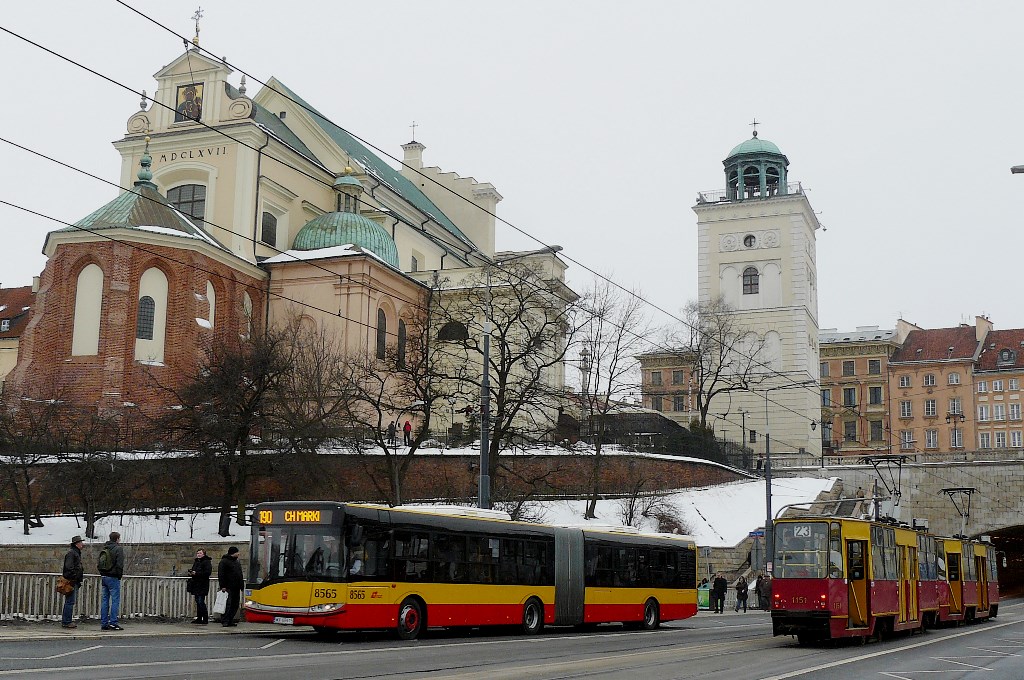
(710, 647)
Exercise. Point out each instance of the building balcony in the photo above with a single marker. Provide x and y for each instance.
(752, 193)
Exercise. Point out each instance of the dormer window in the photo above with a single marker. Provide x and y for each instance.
(1007, 357)
(5, 325)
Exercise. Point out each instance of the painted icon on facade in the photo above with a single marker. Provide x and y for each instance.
(190, 102)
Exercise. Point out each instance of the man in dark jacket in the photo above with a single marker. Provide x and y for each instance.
(199, 584)
(74, 572)
(110, 600)
(230, 581)
(719, 588)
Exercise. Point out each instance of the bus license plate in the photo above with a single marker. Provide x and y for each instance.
(287, 620)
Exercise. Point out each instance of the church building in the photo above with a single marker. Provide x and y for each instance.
(237, 212)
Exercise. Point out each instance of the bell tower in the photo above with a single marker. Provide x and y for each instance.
(756, 250)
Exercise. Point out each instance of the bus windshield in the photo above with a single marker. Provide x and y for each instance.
(801, 549)
(297, 552)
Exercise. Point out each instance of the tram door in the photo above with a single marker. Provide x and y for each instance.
(857, 588)
(981, 566)
(956, 586)
(908, 576)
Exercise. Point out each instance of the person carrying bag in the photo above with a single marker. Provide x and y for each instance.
(198, 585)
(72, 573)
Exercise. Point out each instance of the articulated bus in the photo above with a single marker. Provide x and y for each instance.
(837, 577)
(338, 566)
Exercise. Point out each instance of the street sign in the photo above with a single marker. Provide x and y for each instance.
(757, 534)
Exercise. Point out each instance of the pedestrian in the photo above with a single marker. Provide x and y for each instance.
(719, 588)
(111, 568)
(199, 585)
(741, 594)
(73, 572)
(391, 434)
(230, 581)
(763, 589)
(407, 432)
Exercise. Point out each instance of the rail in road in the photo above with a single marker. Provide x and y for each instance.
(716, 647)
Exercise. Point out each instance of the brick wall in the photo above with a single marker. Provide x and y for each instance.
(141, 559)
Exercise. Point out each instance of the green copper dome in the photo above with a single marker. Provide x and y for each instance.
(343, 228)
(754, 145)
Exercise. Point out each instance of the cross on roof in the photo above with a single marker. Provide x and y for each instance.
(413, 126)
(754, 124)
(196, 17)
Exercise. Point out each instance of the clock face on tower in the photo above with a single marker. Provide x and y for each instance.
(189, 104)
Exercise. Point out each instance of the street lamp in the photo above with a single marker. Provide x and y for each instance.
(484, 492)
(954, 418)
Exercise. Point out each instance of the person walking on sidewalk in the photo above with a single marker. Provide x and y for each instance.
(199, 584)
(230, 581)
(74, 572)
(111, 568)
(741, 594)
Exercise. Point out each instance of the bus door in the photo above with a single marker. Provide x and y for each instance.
(981, 568)
(570, 575)
(956, 589)
(857, 583)
(910, 576)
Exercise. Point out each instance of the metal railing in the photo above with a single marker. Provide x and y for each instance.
(33, 596)
(727, 195)
(800, 460)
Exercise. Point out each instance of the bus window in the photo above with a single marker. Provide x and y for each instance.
(449, 558)
(482, 559)
(687, 568)
(368, 544)
(508, 572)
(411, 551)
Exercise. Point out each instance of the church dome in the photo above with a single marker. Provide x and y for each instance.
(754, 145)
(344, 228)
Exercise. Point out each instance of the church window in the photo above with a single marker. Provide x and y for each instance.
(247, 312)
(750, 281)
(453, 331)
(85, 339)
(268, 233)
(147, 314)
(401, 343)
(382, 333)
(211, 298)
(189, 199)
(749, 241)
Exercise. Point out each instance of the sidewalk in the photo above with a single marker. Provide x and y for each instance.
(90, 630)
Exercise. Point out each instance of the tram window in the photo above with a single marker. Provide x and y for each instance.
(855, 554)
(801, 550)
(953, 567)
(969, 569)
(889, 553)
(940, 560)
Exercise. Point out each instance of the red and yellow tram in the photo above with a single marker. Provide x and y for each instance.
(837, 577)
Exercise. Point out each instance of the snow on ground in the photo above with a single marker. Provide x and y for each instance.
(719, 515)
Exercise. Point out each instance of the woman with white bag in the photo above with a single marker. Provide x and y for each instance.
(231, 582)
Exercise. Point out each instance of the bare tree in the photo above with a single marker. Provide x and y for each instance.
(532, 322)
(223, 410)
(29, 437)
(724, 355)
(613, 334)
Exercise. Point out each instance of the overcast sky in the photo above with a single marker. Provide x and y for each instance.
(599, 122)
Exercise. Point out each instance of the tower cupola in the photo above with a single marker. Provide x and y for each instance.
(755, 169)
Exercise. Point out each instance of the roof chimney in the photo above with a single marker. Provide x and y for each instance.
(35, 284)
(413, 154)
(981, 328)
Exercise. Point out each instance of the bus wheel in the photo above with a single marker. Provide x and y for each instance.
(410, 619)
(533, 617)
(652, 618)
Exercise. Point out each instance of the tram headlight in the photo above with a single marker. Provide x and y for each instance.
(326, 608)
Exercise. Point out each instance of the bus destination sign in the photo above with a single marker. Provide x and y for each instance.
(295, 516)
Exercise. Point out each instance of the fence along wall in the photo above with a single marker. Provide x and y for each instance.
(33, 596)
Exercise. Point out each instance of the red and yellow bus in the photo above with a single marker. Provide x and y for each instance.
(837, 577)
(338, 566)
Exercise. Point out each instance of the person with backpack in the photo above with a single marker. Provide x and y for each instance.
(111, 568)
(74, 572)
(199, 585)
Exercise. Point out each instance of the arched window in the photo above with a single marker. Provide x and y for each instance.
(382, 333)
(146, 318)
(401, 343)
(247, 312)
(211, 297)
(750, 281)
(453, 331)
(268, 234)
(85, 338)
(189, 199)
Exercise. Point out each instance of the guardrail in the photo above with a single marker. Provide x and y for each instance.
(800, 460)
(33, 596)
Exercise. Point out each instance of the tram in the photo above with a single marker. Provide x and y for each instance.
(336, 566)
(838, 577)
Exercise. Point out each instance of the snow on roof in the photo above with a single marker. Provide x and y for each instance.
(319, 254)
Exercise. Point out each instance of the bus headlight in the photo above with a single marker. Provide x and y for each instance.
(326, 608)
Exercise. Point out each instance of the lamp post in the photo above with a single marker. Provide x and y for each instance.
(484, 492)
(769, 527)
